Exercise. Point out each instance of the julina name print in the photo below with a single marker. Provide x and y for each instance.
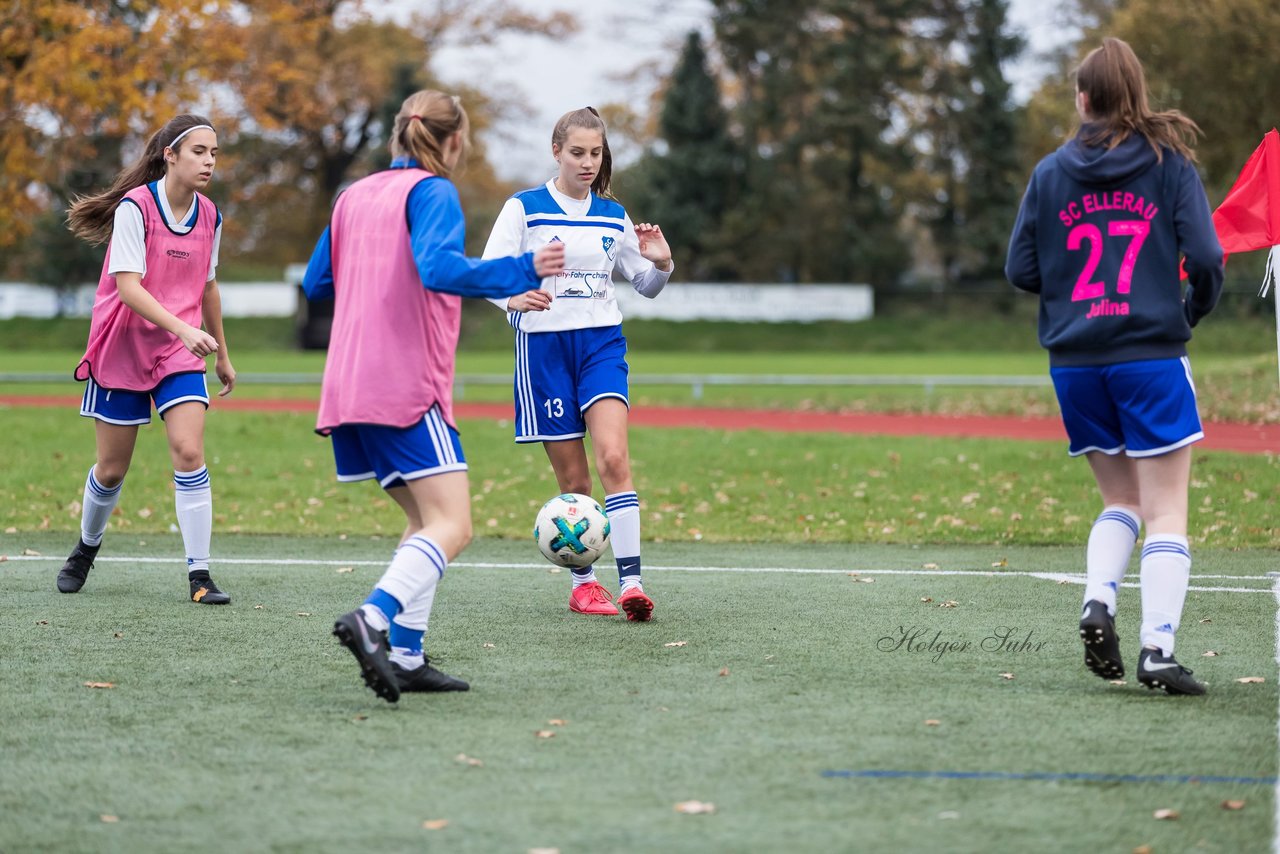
(921, 639)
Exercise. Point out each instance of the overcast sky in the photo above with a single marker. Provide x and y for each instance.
(615, 38)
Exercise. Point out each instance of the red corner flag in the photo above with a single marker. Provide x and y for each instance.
(1249, 217)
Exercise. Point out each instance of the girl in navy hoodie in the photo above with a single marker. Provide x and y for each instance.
(1103, 225)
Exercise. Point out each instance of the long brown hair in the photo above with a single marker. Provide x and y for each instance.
(1113, 79)
(91, 217)
(590, 119)
(425, 121)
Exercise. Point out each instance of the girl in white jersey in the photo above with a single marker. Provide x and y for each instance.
(145, 342)
(571, 370)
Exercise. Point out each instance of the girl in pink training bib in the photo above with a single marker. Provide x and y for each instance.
(145, 340)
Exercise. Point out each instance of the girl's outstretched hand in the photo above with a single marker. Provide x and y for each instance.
(653, 245)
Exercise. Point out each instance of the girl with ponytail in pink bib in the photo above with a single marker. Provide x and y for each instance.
(146, 345)
(392, 260)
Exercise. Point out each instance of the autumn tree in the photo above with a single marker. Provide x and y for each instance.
(77, 80)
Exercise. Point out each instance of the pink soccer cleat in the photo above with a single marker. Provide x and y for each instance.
(591, 599)
(638, 606)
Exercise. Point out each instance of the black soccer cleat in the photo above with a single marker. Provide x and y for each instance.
(204, 591)
(1101, 643)
(73, 573)
(1159, 671)
(371, 650)
(425, 679)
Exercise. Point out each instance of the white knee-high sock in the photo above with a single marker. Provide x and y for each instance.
(99, 502)
(623, 509)
(1166, 570)
(414, 572)
(193, 501)
(1111, 542)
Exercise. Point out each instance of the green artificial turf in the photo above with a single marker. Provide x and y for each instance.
(246, 728)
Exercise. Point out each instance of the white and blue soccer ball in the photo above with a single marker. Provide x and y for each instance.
(572, 530)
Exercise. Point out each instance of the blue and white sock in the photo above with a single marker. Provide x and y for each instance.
(415, 570)
(1111, 542)
(99, 503)
(1166, 571)
(193, 503)
(408, 629)
(623, 510)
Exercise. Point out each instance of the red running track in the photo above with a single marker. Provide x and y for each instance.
(1219, 436)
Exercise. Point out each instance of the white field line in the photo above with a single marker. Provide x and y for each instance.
(1057, 577)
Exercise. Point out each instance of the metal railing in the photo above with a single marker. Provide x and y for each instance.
(697, 383)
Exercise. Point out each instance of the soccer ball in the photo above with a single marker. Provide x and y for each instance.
(571, 530)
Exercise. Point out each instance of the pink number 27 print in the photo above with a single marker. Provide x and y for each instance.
(1135, 229)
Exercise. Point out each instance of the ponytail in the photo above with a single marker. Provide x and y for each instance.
(425, 122)
(91, 217)
(588, 118)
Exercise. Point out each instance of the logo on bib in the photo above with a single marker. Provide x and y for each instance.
(610, 247)
(178, 253)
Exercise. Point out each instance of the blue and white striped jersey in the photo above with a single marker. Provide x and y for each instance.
(598, 238)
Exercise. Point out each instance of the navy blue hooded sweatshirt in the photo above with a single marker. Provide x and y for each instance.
(1099, 236)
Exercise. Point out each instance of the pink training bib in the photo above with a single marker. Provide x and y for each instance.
(126, 351)
(393, 342)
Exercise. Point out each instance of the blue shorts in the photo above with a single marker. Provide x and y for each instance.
(560, 374)
(1143, 409)
(394, 455)
(116, 406)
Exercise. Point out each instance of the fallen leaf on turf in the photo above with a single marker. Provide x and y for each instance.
(724, 671)
(1006, 675)
(42, 622)
(359, 717)
(1065, 581)
(929, 566)
(1250, 680)
(3, 558)
(864, 580)
(544, 851)
(435, 824)
(1208, 654)
(108, 819)
(950, 603)
(555, 570)
(304, 613)
(545, 733)
(946, 815)
(1000, 564)
(663, 709)
(346, 569)
(1117, 682)
(1142, 849)
(557, 722)
(257, 607)
(1206, 621)
(464, 759)
(932, 722)
(487, 646)
(926, 598)
(118, 635)
(676, 643)
(1167, 815)
(30, 553)
(99, 684)
(145, 513)
(1233, 805)
(695, 808)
